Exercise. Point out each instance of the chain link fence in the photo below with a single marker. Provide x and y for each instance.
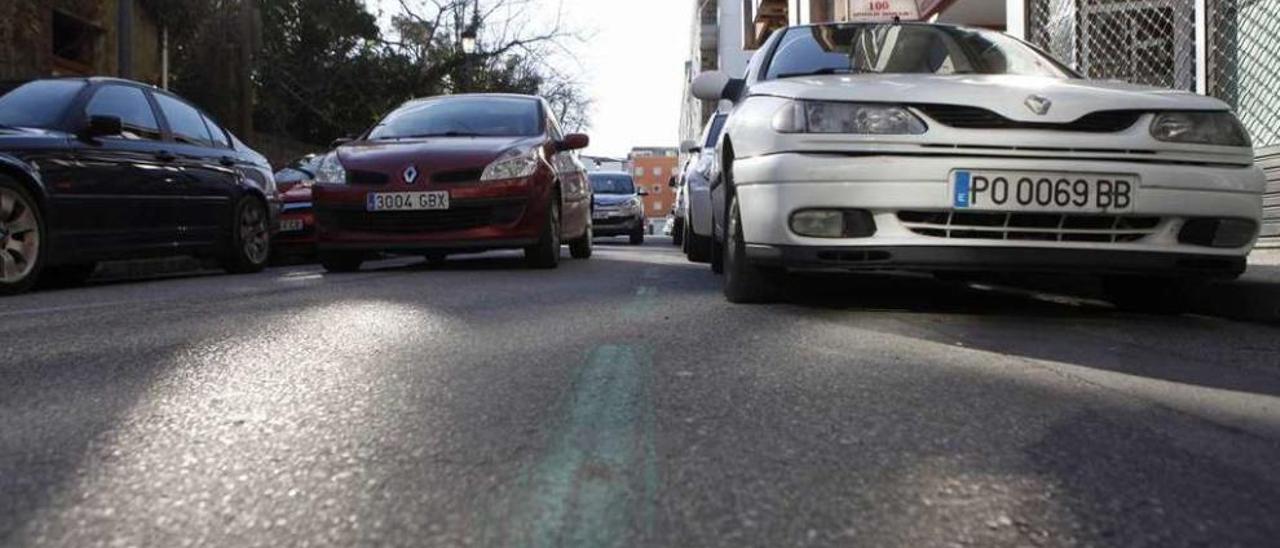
(1154, 42)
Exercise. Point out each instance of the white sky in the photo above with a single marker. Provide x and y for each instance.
(631, 62)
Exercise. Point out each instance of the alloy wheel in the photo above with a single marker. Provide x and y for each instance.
(19, 236)
(254, 237)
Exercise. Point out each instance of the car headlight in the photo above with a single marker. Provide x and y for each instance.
(330, 171)
(513, 164)
(1205, 128)
(856, 118)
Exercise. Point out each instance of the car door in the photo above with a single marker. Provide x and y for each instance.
(121, 198)
(574, 187)
(210, 183)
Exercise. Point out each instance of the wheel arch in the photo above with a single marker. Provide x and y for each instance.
(27, 177)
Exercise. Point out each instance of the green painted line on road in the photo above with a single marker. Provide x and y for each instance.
(597, 484)
(645, 301)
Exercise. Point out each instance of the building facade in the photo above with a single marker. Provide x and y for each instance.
(42, 38)
(653, 168)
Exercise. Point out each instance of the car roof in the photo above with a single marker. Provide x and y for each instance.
(474, 96)
(616, 173)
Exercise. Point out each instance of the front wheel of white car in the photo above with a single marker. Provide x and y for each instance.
(743, 282)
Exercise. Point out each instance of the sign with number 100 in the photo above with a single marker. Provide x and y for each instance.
(882, 10)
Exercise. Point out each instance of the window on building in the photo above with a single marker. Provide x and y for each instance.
(657, 206)
(657, 189)
(639, 172)
(74, 42)
(130, 105)
(657, 172)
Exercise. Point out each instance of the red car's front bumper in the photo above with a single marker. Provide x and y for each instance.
(490, 215)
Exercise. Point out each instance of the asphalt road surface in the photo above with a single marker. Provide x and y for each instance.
(622, 402)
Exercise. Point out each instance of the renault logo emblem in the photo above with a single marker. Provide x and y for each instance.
(410, 174)
(1039, 104)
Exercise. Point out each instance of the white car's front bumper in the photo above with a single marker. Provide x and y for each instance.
(770, 188)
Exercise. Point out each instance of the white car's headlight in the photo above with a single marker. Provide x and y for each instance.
(330, 170)
(1204, 128)
(855, 118)
(513, 164)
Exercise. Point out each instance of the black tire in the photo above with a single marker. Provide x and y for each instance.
(717, 256)
(677, 232)
(637, 236)
(23, 225)
(1168, 296)
(546, 253)
(436, 260)
(583, 247)
(70, 275)
(744, 283)
(340, 262)
(697, 248)
(249, 248)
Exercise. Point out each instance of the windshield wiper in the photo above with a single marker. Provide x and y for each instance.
(441, 134)
(827, 70)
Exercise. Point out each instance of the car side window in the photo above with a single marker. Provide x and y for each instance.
(185, 121)
(220, 137)
(131, 106)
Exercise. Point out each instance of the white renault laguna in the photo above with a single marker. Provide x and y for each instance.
(941, 148)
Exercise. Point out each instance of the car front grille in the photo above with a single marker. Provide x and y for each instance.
(1045, 227)
(462, 216)
(964, 117)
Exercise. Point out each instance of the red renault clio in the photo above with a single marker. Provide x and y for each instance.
(455, 174)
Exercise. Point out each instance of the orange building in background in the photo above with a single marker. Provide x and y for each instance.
(653, 168)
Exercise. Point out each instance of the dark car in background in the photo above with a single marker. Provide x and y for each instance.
(297, 234)
(95, 169)
(455, 174)
(618, 209)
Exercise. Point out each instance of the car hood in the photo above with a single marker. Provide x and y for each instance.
(613, 199)
(429, 155)
(299, 192)
(1004, 94)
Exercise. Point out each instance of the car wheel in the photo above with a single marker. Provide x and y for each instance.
(69, 275)
(339, 262)
(22, 242)
(582, 248)
(637, 236)
(677, 232)
(743, 282)
(436, 260)
(696, 248)
(249, 250)
(546, 253)
(1150, 295)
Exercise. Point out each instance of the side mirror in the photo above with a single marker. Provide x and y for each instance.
(340, 141)
(715, 85)
(103, 126)
(642, 192)
(574, 141)
(689, 147)
(673, 183)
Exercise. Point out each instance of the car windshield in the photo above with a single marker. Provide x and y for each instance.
(612, 184)
(906, 49)
(462, 117)
(38, 104)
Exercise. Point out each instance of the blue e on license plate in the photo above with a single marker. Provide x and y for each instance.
(1043, 191)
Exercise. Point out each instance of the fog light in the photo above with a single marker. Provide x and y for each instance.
(833, 223)
(818, 223)
(1225, 233)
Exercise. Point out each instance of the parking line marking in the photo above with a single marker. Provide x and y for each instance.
(599, 479)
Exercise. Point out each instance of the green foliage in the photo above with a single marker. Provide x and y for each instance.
(322, 69)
